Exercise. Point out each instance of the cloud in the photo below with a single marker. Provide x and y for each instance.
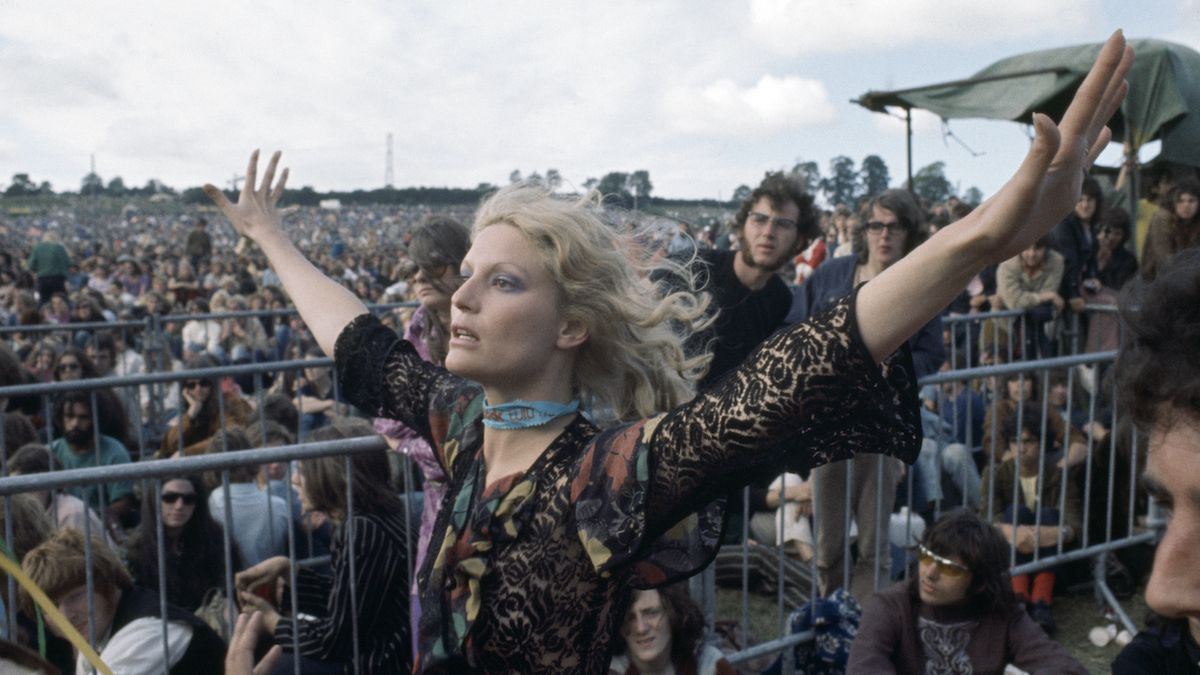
(771, 105)
(794, 27)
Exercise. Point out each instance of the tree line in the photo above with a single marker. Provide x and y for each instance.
(844, 183)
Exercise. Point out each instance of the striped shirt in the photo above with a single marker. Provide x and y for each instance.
(380, 589)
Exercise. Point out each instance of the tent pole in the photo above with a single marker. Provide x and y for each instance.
(1133, 174)
(908, 146)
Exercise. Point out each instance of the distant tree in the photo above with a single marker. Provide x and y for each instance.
(116, 187)
(874, 176)
(45, 188)
(155, 186)
(92, 185)
(841, 185)
(535, 178)
(809, 175)
(193, 195)
(484, 188)
(615, 183)
(591, 184)
(21, 186)
(973, 196)
(931, 184)
(741, 194)
(639, 184)
(553, 179)
(515, 176)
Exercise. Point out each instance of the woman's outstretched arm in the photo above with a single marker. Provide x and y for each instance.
(324, 304)
(895, 304)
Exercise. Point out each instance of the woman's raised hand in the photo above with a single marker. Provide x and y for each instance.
(1047, 185)
(254, 215)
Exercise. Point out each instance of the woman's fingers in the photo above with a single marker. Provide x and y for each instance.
(278, 191)
(251, 177)
(268, 662)
(269, 176)
(1089, 98)
(1114, 94)
(1102, 141)
(214, 193)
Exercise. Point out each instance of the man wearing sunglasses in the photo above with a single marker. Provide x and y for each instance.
(957, 614)
(894, 227)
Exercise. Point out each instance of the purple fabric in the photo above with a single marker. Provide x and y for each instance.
(411, 444)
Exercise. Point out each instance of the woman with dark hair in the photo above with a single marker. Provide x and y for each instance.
(193, 541)
(663, 632)
(957, 615)
(554, 318)
(437, 248)
(369, 570)
(1075, 240)
(206, 408)
(1177, 228)
(1111, 264)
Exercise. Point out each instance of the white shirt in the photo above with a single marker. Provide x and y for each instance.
(137, 648)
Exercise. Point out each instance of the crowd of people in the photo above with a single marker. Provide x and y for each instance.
(590, 454)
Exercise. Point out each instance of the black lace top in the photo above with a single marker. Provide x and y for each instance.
(524, 576)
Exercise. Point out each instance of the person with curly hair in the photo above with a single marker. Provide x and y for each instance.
(1176, 227)
(554, 516)
(663, 632)
(193, 542)
(957, 615)
(1158, 381)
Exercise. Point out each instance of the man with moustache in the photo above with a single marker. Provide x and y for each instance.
(80, 446)
(751, 301)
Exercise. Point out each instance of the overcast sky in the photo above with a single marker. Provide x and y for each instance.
(703, 95)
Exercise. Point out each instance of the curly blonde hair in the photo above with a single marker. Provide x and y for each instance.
(633, 364)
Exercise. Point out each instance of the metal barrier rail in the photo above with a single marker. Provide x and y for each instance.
(222, 462)
(787, 586)
(147, 322)
(1087, 545)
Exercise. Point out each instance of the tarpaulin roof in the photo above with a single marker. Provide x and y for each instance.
(1163, 101)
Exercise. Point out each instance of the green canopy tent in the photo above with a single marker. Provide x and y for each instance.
(1163, 101)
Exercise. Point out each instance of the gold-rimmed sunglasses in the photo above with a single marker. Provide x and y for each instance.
(945, 566)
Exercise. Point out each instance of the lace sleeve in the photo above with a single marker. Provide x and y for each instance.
(652, 492)
(808, 396)
(383, 375)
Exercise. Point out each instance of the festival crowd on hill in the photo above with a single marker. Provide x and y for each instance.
(1007, 463)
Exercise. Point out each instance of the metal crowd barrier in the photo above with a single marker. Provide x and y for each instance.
(795, 582)
(159, 469)
(766, 564)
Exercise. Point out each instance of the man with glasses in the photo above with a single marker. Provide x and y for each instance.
(894, 227)
(82, 446)
(957, 614)
(751, 300)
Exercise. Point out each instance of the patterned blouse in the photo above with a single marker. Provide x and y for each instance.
(524, 576)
